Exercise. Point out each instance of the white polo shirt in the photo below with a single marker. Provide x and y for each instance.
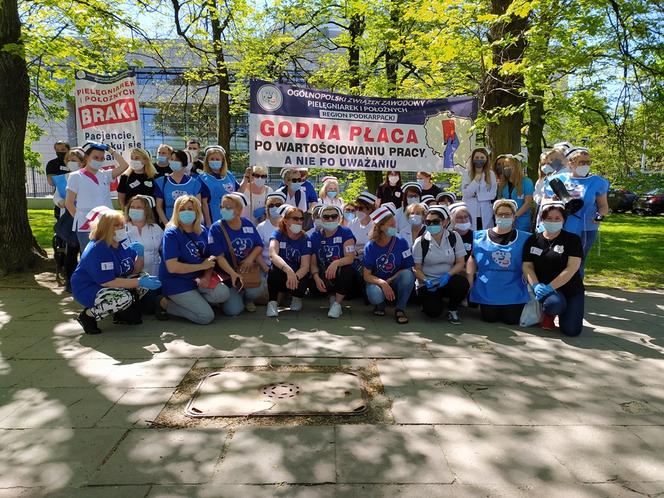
(440, 258)
(89, 194)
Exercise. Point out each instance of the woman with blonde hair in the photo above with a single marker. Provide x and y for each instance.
(138, 179)
(513, 185)
(329, 192)
(101, 282)
(415, 214)
(141, 227)
(254, 187)
(479, 186)
(388, 265)
(290, 253)
(190, 285)
(551, 162)
(217, 181)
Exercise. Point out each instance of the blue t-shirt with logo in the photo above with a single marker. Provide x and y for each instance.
(100, 263)
(191, 248)
(292, 250)
(243, 240)
(167, 190)
(215, 188)
(329, 249)
(523, 222)
(384, 263)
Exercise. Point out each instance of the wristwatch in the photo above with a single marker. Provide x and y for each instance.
(599, 217)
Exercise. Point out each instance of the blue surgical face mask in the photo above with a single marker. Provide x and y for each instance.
(332, 194)
(296, 228)
(318, 224)
(552, 226)
(215, 165)
(296, 186)
(175, 165)
(504, 222)
(330, 225)
(434, 229)
(274, 212)
(547, 169)
(412, 200)
(415, 219)
(163, 160)
(349, 216)
(187, 217)
(96, 164)
(136, 214)
(421, 182)
(391, 231)
(227, 214)
(259, 182)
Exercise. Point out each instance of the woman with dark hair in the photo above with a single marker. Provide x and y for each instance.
(551, 263)
(390, 189)
(168, 188)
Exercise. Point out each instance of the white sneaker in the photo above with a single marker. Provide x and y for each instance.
(250, 306)
(272, 309)
(296, 304)
(335, 310)
(333, 299)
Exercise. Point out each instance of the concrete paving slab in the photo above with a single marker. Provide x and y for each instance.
(15, 372)
(390, 454)
(151, 373)
(279, 455)
(163, 456)
(136, 407)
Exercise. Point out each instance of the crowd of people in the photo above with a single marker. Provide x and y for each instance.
(192, 238)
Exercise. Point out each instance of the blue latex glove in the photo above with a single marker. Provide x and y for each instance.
(430, 284)
(548, 290)
(542, 290)
(149, 282)
(138, 247)
(259, 212)
(442, 281)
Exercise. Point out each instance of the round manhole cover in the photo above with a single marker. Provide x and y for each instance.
(281, 390)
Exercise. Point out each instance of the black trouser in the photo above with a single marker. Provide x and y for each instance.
(343, 282)
(455, 291)
(506, 313)
(71, 260)
(276, 283)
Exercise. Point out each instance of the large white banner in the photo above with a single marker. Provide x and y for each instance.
(294, 126)
(107, 111)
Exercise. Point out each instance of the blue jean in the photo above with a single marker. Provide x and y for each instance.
(236, 300)
(588, 238)
(83, 240)
(569, 311)
(194, 305)
(402, 285)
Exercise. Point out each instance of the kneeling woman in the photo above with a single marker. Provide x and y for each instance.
(439, 257)
(237, 245)
(334, 253)
(186, 270)
(101, 281)
(290, 253)
(495, 269)
(388, 264)
(551, 262)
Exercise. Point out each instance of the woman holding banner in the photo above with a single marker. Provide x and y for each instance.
(90, 187)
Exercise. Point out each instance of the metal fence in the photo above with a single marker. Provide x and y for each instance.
(36, 184)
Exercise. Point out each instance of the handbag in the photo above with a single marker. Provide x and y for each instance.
(210, 278)
(532, 311)
(251, 279)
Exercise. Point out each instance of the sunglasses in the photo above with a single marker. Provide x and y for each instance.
(429, 223)
(349, 210)
(274, 205)
(296, 180)
(328, 217)
(256, 175)
(297, 218)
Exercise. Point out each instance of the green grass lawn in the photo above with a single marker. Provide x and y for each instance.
(628, 254)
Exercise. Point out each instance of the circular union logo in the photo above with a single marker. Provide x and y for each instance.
(269, 98)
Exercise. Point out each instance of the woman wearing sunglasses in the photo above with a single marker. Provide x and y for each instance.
(439, 263)
(254, 187)
(334, 252)
(290, 253)
(273, 203)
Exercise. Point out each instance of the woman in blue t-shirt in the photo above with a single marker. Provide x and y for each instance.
(246, 246)
(495, 270)
(217, 182)
(513, 185)
(168, 188)
(101, 281)
(388, 264)
(290, 253)
(334, 251)
(189, 284)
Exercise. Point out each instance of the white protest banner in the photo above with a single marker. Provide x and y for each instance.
(107, 111)
(294, 126)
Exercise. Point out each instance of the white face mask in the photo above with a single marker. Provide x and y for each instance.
(582, 170)
(136, 164)
(464, 227)
(120, 234)
(393, 180)
(73, 166)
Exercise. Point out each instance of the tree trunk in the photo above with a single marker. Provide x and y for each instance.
(501, 91)
(223, 81)
(18, 248)
(356, 31)
(535, 132)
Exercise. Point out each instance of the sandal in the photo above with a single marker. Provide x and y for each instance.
(379, 311)
(160, 313)
(401, 317)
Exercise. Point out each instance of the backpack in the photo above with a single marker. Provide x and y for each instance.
(451, 238)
